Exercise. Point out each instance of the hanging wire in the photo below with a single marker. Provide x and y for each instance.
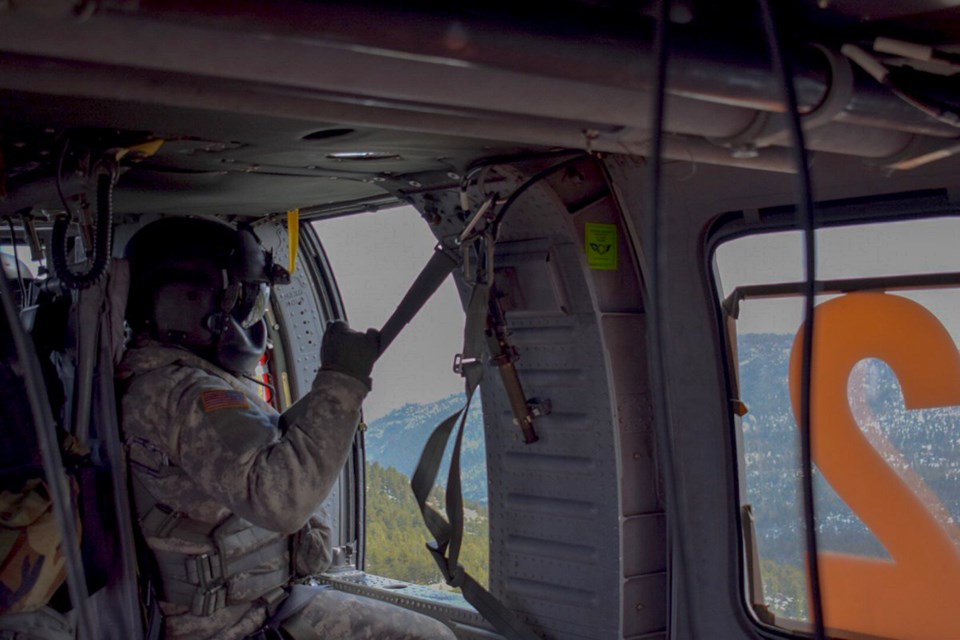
(59, 177)
(784, 74)
(16, 261)
(676, 521)
(534, 179)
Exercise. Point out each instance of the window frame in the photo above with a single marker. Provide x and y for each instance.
(904, 206)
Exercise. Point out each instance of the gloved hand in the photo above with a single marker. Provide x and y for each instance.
(313, 546)
(349, 351)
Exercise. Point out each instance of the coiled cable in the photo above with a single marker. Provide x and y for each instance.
(103, 238)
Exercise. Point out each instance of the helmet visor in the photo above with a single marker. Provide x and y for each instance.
(252, 303)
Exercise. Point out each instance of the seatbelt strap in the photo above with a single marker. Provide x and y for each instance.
(300, 596)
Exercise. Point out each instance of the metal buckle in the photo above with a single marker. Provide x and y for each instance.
(208, 601)
(459, 362)
(205, 570)
(160, 521)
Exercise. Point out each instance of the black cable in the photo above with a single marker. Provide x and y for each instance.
(652, 231)
(59, 177)
(515, 158)
(534, 179)
(785, 75)
(265, 385)
(16, 261)
(102, 240)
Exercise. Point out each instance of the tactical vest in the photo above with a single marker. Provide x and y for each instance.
(242, 568)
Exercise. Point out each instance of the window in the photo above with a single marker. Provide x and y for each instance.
(375, 258)
(885, 424)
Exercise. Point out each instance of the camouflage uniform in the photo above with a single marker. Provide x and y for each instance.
(205, 446)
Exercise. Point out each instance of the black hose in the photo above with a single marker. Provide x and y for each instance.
(677, 522)
(59, 177)
(102, 241)
(785, 75)
(537, 177)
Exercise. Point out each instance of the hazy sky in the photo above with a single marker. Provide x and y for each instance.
(418, 367)
(892, 248)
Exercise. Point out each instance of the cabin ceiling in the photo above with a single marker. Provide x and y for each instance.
(260, 106)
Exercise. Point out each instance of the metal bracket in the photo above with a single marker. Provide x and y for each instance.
(459, 362)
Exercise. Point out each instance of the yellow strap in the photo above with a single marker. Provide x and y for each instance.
(293, 231)
(140, 151)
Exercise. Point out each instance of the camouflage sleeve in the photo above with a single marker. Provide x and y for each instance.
(275, 478)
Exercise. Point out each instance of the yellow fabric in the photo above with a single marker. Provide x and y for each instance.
(293, 231)
(32, 565)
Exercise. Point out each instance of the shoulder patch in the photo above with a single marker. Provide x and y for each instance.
(217, 399)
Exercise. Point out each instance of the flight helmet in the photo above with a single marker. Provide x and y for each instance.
(203, 285)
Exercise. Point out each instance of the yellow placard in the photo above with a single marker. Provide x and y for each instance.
(601, 243)
(293, 231)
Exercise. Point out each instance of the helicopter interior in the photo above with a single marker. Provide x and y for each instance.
(614, 166)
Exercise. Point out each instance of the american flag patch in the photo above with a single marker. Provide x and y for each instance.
(217, 399)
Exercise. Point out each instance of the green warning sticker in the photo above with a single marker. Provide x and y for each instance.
(601, 246)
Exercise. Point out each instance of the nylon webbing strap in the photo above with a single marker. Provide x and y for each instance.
(158, 520)
(448, 534)
(431, 277)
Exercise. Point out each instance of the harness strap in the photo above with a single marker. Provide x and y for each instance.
(206, 583)
(160, 521)
(239, 570)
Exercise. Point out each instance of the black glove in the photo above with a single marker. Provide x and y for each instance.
(349, 351)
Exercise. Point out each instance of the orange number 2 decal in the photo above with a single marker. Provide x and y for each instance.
(915, 595)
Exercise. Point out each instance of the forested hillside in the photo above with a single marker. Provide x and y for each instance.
(396, 534)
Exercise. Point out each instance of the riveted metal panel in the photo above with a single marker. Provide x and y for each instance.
(297, 308)
(554, 505)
